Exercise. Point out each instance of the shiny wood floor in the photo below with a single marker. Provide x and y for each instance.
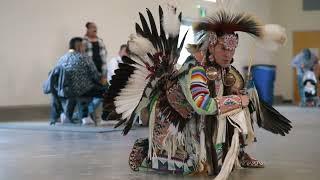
(62, 155)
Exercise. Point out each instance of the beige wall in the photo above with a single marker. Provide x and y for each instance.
(35, 33)
(246, 49)
(289, 13)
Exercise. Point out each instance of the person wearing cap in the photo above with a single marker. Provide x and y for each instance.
(303, 62)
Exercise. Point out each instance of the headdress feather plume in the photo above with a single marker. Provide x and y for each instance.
(225, 22)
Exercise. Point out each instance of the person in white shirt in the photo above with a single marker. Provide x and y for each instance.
(112, 65)
(114, 62)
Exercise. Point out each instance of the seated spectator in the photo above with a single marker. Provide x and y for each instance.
(78, 79)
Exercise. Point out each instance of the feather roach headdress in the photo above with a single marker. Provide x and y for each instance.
(223, 22)
(221, 27)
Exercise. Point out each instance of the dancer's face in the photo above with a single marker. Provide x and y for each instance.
(222, 56)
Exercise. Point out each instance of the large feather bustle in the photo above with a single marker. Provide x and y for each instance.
(225, 22)
(153, 56)
(140, 45)
(127, 100)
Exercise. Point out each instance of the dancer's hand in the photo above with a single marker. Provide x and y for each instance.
(244, 100)
(235, 91)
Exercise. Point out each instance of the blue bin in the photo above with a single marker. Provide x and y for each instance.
(263, 77)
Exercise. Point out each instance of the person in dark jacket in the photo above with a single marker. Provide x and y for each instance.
(78, 78)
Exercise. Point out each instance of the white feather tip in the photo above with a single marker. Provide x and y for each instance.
(274, 36)
(171, 22)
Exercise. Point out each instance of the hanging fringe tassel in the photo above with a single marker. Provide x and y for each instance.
(203, 152)
(230, 113)
(172, 142)
(250, 136)
(237, 164)
(151, 152)
(231, 157)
